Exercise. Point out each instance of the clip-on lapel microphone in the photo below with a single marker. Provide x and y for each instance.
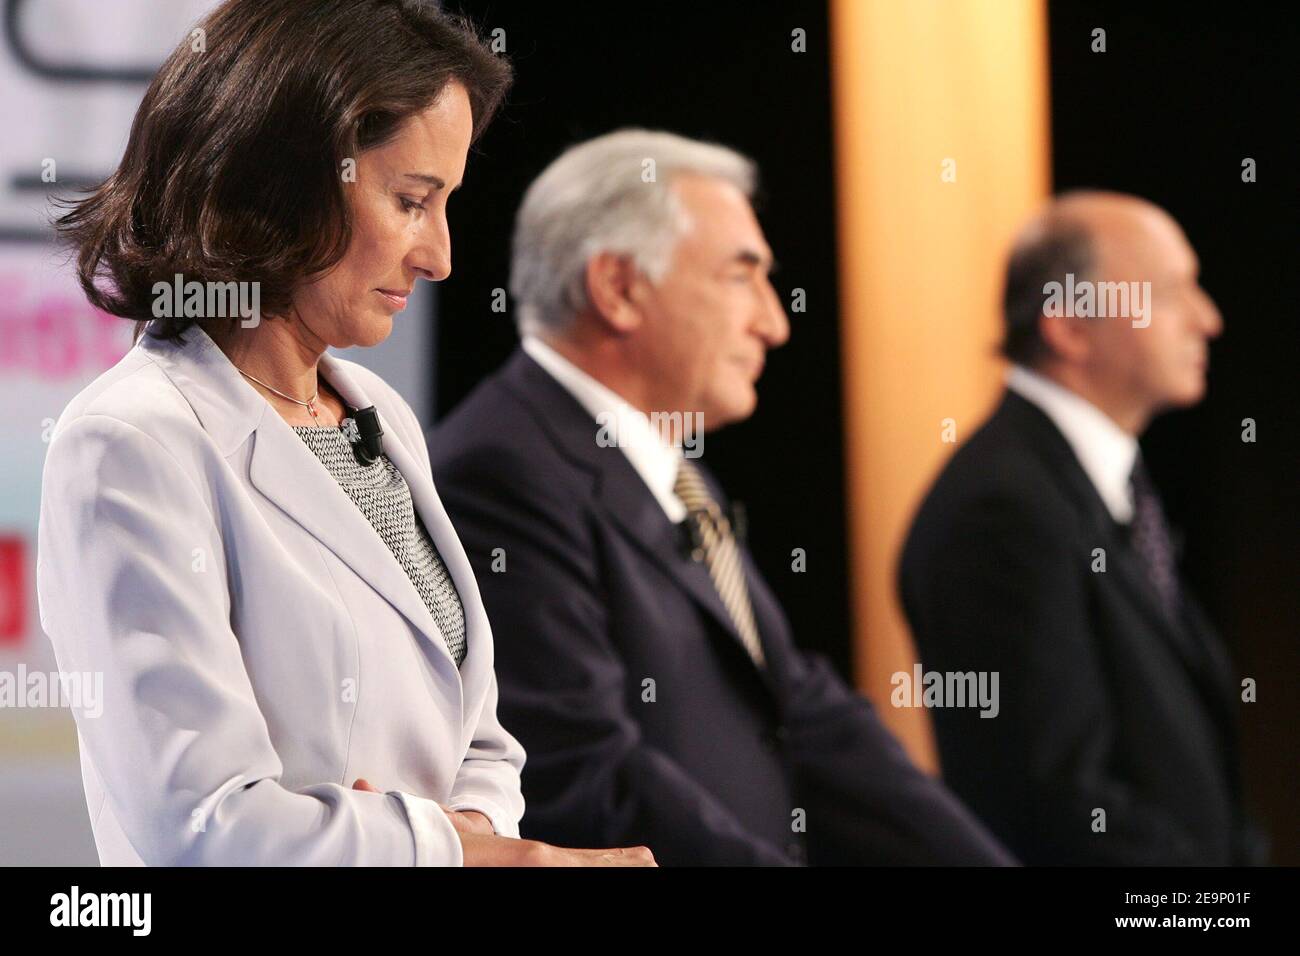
(368, 437)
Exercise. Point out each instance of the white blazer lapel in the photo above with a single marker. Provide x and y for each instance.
(477, 666)
(285, 471)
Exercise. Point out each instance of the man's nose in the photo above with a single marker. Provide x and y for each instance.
(773, 324)
(1210, 317)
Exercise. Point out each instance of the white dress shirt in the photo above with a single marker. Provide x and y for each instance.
(1106, 452)
(655, 460)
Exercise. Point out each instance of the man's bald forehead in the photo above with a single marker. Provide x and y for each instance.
(1102, 212)
(1087, 210)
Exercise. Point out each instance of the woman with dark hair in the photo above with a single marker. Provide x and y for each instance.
(240, 532)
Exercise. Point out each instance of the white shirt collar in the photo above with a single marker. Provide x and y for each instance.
(1106, 452)
(654, 459)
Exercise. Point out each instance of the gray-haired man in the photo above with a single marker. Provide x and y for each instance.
(642, 660)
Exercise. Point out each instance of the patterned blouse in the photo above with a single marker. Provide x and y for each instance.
(383, 496)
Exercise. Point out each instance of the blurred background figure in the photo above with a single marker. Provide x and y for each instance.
(1043, 554)
(650, 672)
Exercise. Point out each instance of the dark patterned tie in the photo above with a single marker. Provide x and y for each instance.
(721, 555)
(1149, 533)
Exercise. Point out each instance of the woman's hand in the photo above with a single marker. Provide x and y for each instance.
(469, 821)
(482, 847)
(480, 850)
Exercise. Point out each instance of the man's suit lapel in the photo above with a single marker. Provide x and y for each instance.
(1198, 651)
(631, 506)
(1192, 637)
(622, 493)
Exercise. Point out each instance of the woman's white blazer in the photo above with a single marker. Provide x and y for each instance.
(260, 646)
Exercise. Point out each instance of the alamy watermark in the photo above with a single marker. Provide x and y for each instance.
(208, 300)
(684, 430)
(1086, 299)
(946, 689)
(80, 691)
(75, 908)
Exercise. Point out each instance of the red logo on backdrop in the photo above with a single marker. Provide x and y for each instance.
(13, 588)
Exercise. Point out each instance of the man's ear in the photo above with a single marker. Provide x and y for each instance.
(1066, 337)
(610, 279)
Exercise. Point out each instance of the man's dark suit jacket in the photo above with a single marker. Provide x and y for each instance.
(644, 720)
(1106, 701)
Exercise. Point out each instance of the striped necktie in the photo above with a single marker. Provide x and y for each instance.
(721, 555)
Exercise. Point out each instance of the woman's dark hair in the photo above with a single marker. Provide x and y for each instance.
(234, 170)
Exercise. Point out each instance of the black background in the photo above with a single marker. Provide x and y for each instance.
(1167, 112)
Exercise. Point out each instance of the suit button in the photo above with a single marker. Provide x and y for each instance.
(781, 734)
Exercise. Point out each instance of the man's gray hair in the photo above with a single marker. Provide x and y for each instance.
(608, 194)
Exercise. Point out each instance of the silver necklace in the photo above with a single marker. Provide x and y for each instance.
(310, 404)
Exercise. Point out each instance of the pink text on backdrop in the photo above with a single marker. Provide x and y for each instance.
(55, 333)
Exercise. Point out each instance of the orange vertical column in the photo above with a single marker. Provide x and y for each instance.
(941, 122)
